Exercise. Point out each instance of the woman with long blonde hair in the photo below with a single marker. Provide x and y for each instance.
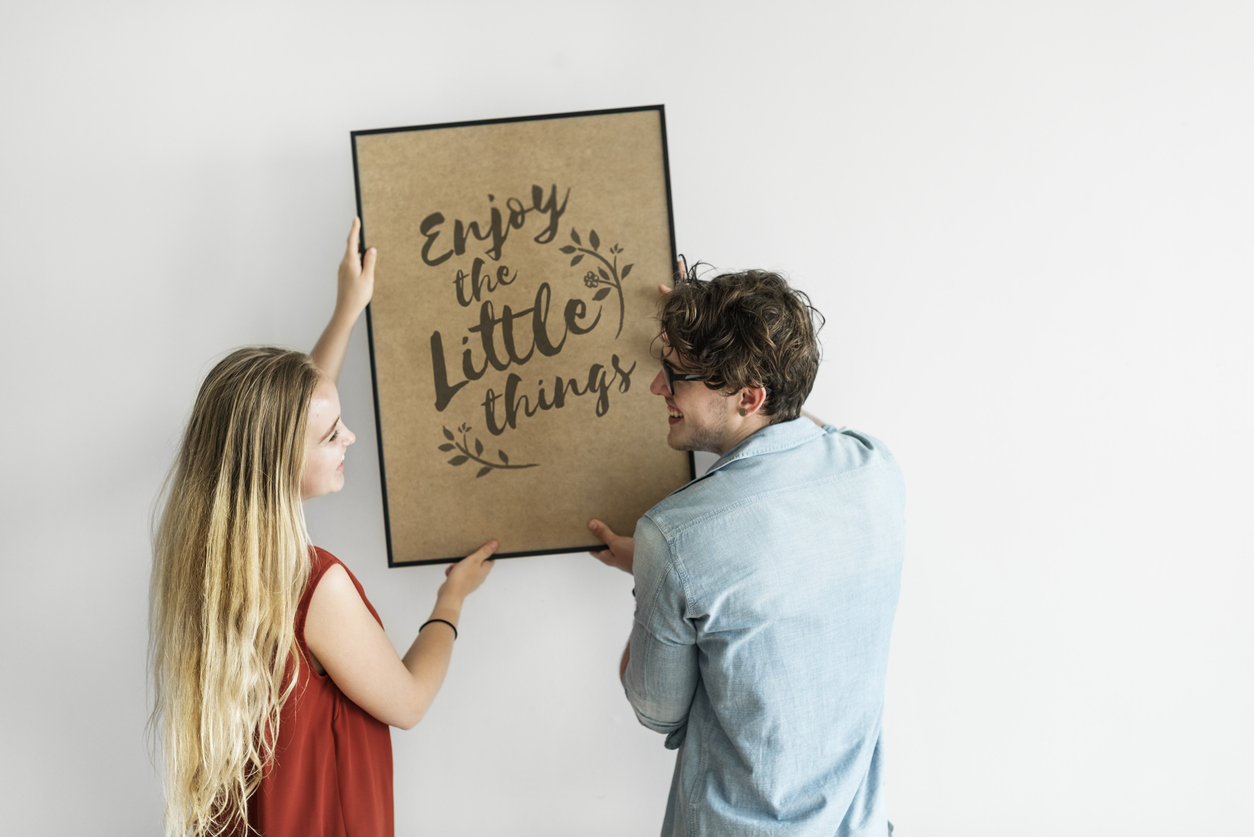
(274, 681)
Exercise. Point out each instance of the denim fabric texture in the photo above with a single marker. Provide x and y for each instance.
(765, 595)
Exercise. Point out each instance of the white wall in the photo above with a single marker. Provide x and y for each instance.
(1029, 225)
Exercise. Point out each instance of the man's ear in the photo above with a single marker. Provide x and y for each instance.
(749, 400)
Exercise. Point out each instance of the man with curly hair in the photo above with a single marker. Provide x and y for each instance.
(765, 589)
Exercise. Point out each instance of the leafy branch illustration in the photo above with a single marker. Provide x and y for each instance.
(609, 279)
(466, 456)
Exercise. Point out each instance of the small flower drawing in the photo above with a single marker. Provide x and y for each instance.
(610, 279)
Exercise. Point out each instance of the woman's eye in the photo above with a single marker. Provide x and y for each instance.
(334, 435)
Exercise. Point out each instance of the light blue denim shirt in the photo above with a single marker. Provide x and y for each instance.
(765, 594)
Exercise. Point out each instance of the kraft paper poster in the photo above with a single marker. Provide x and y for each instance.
(512, 329)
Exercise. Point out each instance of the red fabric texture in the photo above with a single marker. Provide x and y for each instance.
(332, 775)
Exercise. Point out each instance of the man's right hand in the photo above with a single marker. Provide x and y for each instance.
(620, 549)
(681, 270)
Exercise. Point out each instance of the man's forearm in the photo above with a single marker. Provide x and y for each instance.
(622, 667)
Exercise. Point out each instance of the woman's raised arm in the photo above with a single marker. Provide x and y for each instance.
(353, 291)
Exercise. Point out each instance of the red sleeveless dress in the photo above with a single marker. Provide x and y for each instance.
(332, 772)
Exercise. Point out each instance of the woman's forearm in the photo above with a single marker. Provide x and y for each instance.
(428, 657)
(332, 346)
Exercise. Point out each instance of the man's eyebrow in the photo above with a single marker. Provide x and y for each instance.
(334, 425)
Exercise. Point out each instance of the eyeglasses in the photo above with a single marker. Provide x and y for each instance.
(671, 376)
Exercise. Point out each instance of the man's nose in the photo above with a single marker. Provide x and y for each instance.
(658, 387)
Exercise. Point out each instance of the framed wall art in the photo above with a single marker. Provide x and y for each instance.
(512, 328)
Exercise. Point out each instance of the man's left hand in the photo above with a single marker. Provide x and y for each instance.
(620, 548)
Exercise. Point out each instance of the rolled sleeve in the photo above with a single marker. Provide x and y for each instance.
(662, 672)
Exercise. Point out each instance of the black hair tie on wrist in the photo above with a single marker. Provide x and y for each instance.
(445, 621)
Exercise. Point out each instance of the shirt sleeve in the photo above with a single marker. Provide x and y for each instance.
(662, 671)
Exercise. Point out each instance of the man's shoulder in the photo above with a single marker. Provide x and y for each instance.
(820, 463)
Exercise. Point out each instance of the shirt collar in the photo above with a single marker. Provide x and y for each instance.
(770, 439)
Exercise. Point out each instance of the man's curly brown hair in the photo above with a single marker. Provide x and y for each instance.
(746, 329)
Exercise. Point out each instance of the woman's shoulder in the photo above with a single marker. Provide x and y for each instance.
(323, 562)
(332, 578)
(330, 589)
(320, 561)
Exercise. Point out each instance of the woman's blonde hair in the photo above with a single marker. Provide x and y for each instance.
(230, 563)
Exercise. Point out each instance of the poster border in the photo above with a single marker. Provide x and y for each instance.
(374, 378)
